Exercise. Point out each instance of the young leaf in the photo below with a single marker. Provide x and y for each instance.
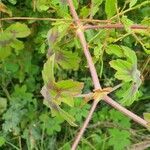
(19, 30)
(48, 70)
(110, 7)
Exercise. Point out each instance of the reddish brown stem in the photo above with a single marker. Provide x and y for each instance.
(110, 26)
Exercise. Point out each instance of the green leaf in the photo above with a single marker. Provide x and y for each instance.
(120, 119)
(76, 4)
(120, 139)
(2, 141)
(110, 7)
(98, 51)
(67, 59)
(13, 1)
(43, 8)
(51, 125)
(84, 12)
(48, 70)
(3, 104)
(115, 49)
(19, 30)
(70, 119)
(62, 91)
(147, 117)
(130, 54)
(5, 52)
(6, 38)
(67, 90)
(95, 6)
(129, 93)
(124, 69)
(17, 45)
(132, 3)
(127, 23)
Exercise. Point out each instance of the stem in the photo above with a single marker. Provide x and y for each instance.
(111, 26)
(85, 124)
(128, 113)
(54, 19)
(130, 9)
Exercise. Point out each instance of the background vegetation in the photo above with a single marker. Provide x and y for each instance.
(28, 45)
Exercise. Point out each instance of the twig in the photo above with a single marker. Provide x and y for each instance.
(95, 79)
(111, 26)
(54, 19)
(128, 113)
(130, 9)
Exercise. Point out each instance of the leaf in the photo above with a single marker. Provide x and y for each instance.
(132, 3)
(115, 49)
(67, 90)
(67, 59)
(19, 30)
(51, 125)
(2, 141)
(95, 6)
(129, 93)
(147, 117)
(70, 87)
(120, 119)
(48, 70)
(76, 4)
(17, 45)
(110, 7)
(98, 51)
(124, 69)
(84, 12)
(70, 119)
(3, 104)
(130, 54)
(62, 91)
(6, 38)
(5, 52)
(119, 136)
(13, 1)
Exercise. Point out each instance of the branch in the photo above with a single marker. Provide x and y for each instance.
(95, 79)
(111, 26)
(54, 19)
